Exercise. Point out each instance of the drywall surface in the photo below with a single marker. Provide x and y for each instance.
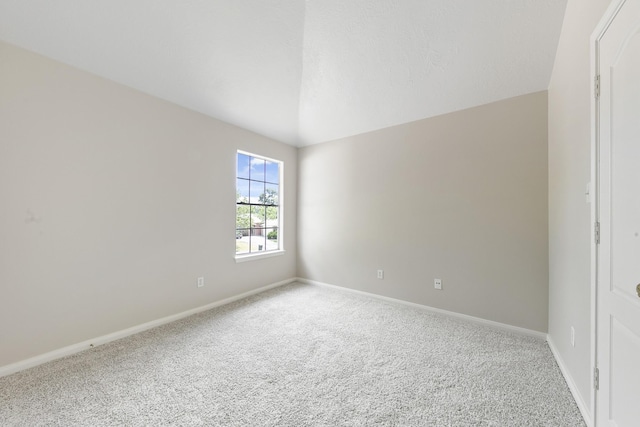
(302, 71)
(371, 64)
(570, 228)
(239, 61)
(113, 203)
(460, 197)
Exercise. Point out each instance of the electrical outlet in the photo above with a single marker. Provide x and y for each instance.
(437, 283)
(573, 337)
(380, 274)
(200, 282)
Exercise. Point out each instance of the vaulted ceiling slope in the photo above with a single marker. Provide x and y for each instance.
(302, 71)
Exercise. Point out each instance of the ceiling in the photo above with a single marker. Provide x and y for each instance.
(302, 71)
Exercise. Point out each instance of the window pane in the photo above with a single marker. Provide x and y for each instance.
(243, 165)
(242, 217)
(272, 239)
(242, 190)
(258, 240)
(256, 190)
(257, 169)
(272, 216)
(242, 241)
(257, 216)
(271, 194)
(273, 172)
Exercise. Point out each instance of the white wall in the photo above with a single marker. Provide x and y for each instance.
(570, 228)
(461, 197)
(113, 202)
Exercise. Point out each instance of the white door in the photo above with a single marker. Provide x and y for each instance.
(618, 291)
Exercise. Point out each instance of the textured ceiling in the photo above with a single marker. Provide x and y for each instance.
(298, 71)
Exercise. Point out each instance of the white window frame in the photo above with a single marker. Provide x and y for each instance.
(276, 252)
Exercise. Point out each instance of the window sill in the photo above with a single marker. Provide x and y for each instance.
(253, 257)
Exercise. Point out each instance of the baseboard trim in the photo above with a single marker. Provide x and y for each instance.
(85, 345)
(491, 323)
(582, 406)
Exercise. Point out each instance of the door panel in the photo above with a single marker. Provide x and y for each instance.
(625, 344)
(625, 180)
(618, 304)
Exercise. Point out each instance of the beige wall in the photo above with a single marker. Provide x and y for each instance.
(113, 202)
(103, 222)
(461, 197)
(570, 229)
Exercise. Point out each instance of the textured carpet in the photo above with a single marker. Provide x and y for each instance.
(300, 355)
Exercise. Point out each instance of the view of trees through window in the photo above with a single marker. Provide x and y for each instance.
(257, 204)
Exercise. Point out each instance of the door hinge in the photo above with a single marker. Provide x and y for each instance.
(596, 86)
(596, 232)
(596, 378)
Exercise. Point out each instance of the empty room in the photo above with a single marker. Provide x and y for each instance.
(436, 213)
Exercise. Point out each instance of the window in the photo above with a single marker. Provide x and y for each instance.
(258, 219)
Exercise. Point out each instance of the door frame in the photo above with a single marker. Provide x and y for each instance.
(596, 36)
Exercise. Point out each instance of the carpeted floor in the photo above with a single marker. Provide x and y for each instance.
(300, 355)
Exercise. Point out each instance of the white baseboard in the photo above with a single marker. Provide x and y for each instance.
(76, 348)
(491, 323)
(584, 408)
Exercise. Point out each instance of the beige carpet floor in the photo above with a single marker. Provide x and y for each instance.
(300, 355)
